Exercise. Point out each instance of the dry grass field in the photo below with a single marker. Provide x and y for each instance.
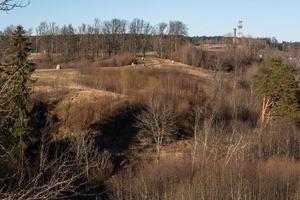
(230, 152)
(83, 96)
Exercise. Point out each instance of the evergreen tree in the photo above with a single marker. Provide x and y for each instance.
(275, 82)
(16, 72)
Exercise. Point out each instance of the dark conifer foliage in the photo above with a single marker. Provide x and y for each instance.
(15, 74)
(275, 82)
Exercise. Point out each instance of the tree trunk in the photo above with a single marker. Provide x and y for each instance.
(265, 113)
(157, 153)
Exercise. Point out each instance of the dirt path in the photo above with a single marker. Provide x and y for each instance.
(183, 68)
(157, 63)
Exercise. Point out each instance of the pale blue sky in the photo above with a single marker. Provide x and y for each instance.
(279, 18)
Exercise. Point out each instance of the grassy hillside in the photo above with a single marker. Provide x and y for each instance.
(217, 151)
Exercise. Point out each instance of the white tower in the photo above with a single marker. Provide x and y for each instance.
(240, 28)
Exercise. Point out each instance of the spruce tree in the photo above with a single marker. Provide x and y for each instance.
(276, 84)
(17, 71)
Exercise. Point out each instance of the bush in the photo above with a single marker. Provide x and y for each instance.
(117, 61)
(190, 55)
(277, 178)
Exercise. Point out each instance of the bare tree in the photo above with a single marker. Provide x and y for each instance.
(87, 156)
(69, 42)
(118, 29)
(54, 178)
(97, 37)
(197, 123)
(123, 30)
(147, 30)
(161, 33)
(6, 5)
(202, 127)
(59, 175)
(42, 38)
(177, 29)
(107, 35)
(59, 186)
(136, 29)
(157, 121)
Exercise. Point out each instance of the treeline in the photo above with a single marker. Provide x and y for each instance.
(102, 40)
(224, 39)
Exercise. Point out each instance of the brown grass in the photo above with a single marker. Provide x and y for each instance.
(275, 178)
(77, 111)
(236, 158)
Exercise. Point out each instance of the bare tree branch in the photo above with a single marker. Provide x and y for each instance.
(7, 5)
(58, 177)
(158, 121)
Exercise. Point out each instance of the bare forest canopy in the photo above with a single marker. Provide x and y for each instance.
(104, 39)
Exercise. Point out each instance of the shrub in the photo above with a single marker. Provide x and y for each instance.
(118, 60)
(190, 55)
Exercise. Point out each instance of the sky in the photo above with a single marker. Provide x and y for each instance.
(262, 18)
